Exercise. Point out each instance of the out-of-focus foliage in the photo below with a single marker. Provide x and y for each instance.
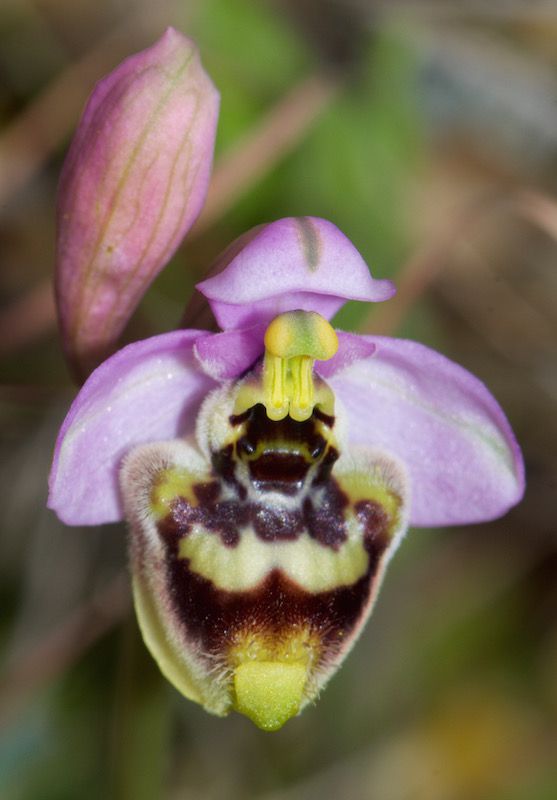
(434, 149)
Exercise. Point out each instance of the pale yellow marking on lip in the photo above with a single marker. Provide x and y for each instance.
(358, 485)
(170, 484)
(313, 566)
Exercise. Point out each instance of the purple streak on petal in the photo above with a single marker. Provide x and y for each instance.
(443, 423)
(226, 355)
(133, 183)
(351, 348)
(149, 391)
(297, 262)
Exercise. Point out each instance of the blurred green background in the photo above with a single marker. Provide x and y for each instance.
(427, 131)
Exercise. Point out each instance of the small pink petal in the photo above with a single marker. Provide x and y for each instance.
(227, 355)
(133, 183)
(147, 392)
(351, 348)
(295, 263)
(442, 423)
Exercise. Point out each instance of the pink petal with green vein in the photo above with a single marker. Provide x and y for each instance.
(442, 423)
(147, 392)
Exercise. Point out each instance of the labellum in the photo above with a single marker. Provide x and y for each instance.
(258, 546)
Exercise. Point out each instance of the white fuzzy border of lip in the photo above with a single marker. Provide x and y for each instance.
(213, 429)
(397, 476)
(178, 657)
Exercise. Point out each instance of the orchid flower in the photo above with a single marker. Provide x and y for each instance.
(269, 471)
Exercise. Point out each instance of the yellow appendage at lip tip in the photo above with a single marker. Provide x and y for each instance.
(271, 673)
(293, 341)
(269, 692)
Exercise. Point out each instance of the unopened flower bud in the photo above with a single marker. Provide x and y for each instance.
(134, 181)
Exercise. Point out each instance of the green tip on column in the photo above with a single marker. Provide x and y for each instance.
(269, 692)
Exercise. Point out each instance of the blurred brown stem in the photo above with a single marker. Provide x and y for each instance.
(538, 208)
(422, 268)
(261, 148)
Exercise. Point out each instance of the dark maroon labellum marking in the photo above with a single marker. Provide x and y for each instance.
(279, 472)
(279, 454)
(286, 450)
(373, 518)
(226, 518)
(213, 617)
(326, 418)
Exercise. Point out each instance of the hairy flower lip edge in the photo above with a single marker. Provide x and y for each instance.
(167, 663)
